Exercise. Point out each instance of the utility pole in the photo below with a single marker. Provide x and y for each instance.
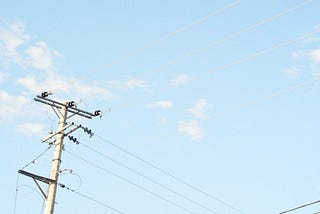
(55, 168)
(61, 109)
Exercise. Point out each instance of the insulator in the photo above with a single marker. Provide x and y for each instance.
(71, 104)
(44, 94)
(97, 113)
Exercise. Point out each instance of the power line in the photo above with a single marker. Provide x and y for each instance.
(245, 105)
(172, 34)
(229, 36)
(299, 207)
(40, 155)
(170, 175)
(16, 194)
(257, 54)
(268, 97)
(130, 182)
(91, 199)
(150, 179)
(244, 59)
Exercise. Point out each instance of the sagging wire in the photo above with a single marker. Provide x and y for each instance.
(34, 160)
(16, 194)
(300, 207)
(150, 179)
(71, 172)
(131, 183)
(52, 120)
(90, 198)
(30, 187)
(227, 204)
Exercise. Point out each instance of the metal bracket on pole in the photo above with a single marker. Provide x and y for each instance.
(41, 190)
(36, 178)
(55, 133)
(72, 130)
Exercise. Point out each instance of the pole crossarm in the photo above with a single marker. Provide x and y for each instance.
(59, 105)
(36, 177)
(72, 130)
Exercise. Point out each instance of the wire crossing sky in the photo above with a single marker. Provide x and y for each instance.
(208, 106)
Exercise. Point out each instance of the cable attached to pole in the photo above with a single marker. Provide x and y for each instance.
(91, 199)
(171, 175)
(300, 207)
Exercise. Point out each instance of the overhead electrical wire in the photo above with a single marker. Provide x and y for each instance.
(172, 34)
(255, 101)
(39, 156)
(130, 182)
(264, 98)
(257, 54)
(91, 199)
(300, 207)
(16, 194)
(240, 60)
(244, 105)
(170, 175)
(149, 179)
(226, 38)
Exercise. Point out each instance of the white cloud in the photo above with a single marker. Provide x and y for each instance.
(315, 56)
(40, 56)
(134, 83)
(11, 39)
(192, 129)
(292, 72)
(299, 54)
(84, 90)
(161, 104)
(199, 109)
(10, 105)
(128, 84)
(163, 120)
(31, 129)
(58, 83)
(3, 76)
(180, 80)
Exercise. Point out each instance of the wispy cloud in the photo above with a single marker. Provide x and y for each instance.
(40, 56)
(180, 80)
(199, 109)
(11, 39)
(133, 83)
(292, 72)
(10, 104)
(58, 83)
(161, 104)
(16, 47)
(315, 56)
(3, 76)
(31, 129)
(192, 129)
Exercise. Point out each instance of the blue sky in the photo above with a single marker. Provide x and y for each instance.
(221, 94)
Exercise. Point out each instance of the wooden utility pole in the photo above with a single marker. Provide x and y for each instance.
(55, 167)
(61, 109)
